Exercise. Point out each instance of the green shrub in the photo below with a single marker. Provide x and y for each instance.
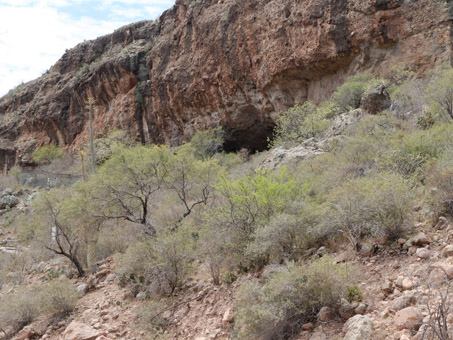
(440, 181)
(58, 297)
(26, 304)
(297, 124)
(376, 206)
(354, 293)
(286, 236)
(160, 264)
(47, 154)
(347, 97)
(411, 152)
(290, 297)
(151, 317)
(439, 93)
(207, 143)
(247, 203)
(18, 309)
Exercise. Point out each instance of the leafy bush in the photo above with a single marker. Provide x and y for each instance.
(347, 97)
(151, 317)
(249, 202)
(26, 304)
(440, 181)
(411, 152)
(18, 309)
(161, 264)
(369, 207)
(354, 293)
(439, 93)
(13, 268)
(286, 236)
(298, 123)
(290, 297)
(47, 154)
(58, 297)
(207, 143)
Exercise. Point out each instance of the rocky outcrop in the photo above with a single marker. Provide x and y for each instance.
(237, 63)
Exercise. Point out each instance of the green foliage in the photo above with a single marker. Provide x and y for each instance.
(26, 304)
(47, 154)
(439, 93)
(286, 236)
(58, 297)
(61, 223)
(252, 200)
(354, 293)
(13, 268)
(207, 143)
(347, 97)
(290, 297)
(300, 122)
(411, 152)
(369, 207)
(440, 181)
(151, 317)
(15, 171)
(163, 262)
(134, 178)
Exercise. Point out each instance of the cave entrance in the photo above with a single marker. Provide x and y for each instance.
(254, 138)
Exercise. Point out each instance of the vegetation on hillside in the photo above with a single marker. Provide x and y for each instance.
(161, 211)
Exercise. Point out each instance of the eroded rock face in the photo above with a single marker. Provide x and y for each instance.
(237, 63)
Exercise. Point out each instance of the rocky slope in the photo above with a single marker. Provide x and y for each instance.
(207, 62)
(400, 286)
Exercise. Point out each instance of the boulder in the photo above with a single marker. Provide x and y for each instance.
(375, 100)
(361, 308)
(110, 278)
(141, 296)
(79, 331)
(408, 318)
(7, 192)
(403, 302)
(447, 251)
(308, 326)
(228, 316)
(445, 268)
(423, 253)
(82, 289)
(358, 327)
(318, 335)
(387, 288)
(8, 201)
(420, 240)
(346, 310)
(326, 314)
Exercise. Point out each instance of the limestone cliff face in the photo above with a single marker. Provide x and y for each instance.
(237, 63)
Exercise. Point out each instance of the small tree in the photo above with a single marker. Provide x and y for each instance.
(126, 184)
(439, 93)
(46, 154)
(298, 123)
(347, 97)
(290, 296)
(369, 207)
(207, 143)
(57, 227)
(191, 180)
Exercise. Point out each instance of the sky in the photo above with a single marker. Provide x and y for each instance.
(34, 34)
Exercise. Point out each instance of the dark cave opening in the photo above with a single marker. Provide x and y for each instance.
(254, 139)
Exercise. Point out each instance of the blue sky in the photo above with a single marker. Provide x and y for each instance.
(35, 33)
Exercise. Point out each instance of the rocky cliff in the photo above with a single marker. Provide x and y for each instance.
(237, 63)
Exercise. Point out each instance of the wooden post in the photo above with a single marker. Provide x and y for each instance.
(93, 162)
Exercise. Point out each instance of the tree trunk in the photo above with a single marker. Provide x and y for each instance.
(92, 240)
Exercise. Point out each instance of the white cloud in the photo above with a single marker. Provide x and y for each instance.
(35, 33)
